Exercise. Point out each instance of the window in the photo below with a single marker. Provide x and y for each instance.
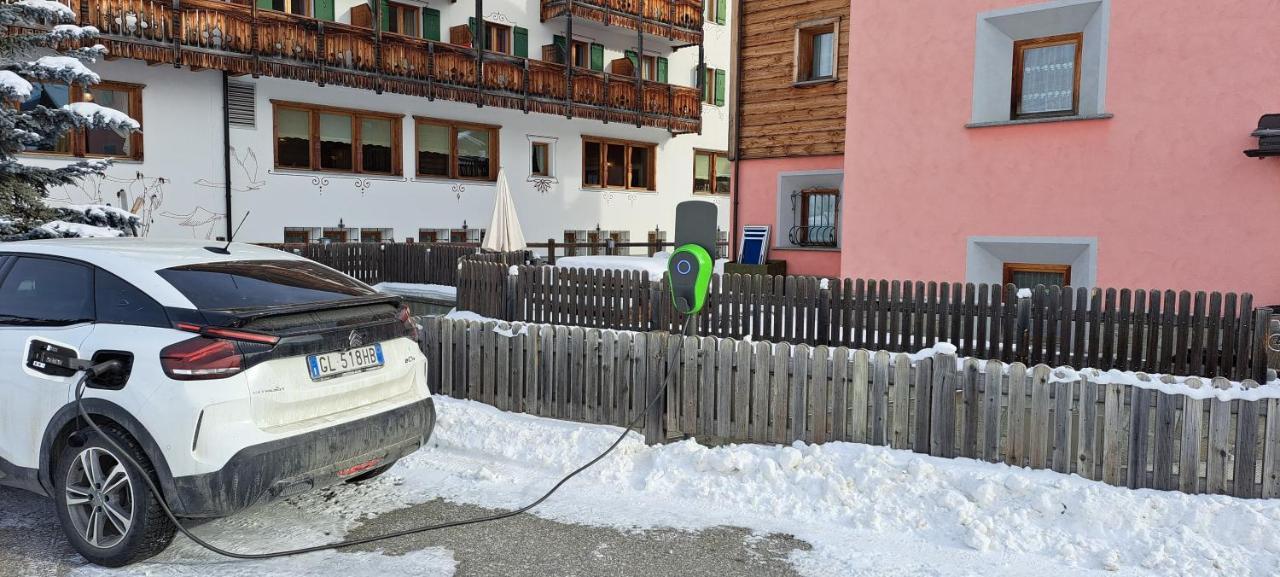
(262, 283)
(118, 302)
(403, 19)
(425, 235)
(816, 50)
(1027, 275)
(581, 54)
(618, 164)
(1046, 76)
(710, 172)
(100, 142)
(335, 235)
(716, 11)
(297, 235)
(713, 86)
(498, 37)
(47, 292)
(375, 234)
(540, 157)
(649, 67)
(457, 150)
(299, 7)
(333, 139)
(817, 212)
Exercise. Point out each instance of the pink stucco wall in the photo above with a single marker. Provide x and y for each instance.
(757, 192)
(1163, 185)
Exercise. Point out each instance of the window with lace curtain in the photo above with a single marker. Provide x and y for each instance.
(1046, 76)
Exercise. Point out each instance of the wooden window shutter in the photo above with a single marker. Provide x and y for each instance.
(264, 4)
(385, 8)
(597, 56)
(662, 69)
(324, 10)
(720, 10)
(521, 39)
(430, 23)
(561, 49)
(460, 35)
(719, 88)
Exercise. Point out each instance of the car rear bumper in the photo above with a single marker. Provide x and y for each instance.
(278, 469)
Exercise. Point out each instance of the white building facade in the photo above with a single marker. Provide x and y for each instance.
(326, 147)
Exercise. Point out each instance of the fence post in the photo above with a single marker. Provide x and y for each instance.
(824, 313)
(509, 291)
(1261, 343)
(655, 419)
(551, 251)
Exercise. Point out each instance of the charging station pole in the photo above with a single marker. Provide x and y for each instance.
(689, 271)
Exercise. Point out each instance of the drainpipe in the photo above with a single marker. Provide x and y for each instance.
(226, 151)
(735, 119)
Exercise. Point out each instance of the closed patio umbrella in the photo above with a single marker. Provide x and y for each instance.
(504, 234)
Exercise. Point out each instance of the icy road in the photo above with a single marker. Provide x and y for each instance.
(684, 509)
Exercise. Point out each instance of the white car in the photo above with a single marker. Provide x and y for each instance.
(248, 375)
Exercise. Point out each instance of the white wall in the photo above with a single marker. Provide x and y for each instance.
(183, 136)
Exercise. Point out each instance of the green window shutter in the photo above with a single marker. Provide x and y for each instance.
(562, 49)
(720, 10)
(324, 10)
(719, 88)
(431, 24)
(597, 56)
(264, 4)
(475, 40)
(635, 60)
(385, 8)
(521, 39)
(662, 69)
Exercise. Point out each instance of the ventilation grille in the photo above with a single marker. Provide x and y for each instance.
(240, 104)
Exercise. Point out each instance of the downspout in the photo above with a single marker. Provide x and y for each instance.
(226, 151)
(735, 119)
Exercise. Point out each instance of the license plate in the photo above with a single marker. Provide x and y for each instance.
(333, 364)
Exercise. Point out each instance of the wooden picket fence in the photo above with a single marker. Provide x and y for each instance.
(732, 390)
(1211, 334)
(421, 263)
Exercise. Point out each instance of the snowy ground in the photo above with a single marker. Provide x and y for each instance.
(864, 510)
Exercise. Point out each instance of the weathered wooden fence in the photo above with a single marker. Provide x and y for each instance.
(740, 391)
(422, 263)
(1211, 334)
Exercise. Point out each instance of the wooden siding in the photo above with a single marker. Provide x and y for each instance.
(779, 118)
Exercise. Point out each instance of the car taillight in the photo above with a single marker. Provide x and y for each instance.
(201, 358)
(410, 325)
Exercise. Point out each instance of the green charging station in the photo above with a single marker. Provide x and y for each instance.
(692, 263)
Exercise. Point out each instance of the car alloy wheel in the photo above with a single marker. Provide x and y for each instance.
(99, 497)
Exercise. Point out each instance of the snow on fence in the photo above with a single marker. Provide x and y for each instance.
(1212, 334)
(1125, 429)
(417, 263)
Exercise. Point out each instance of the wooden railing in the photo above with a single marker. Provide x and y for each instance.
(243, 39)
(677, 20)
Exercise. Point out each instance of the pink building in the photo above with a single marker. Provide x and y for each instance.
(1092, 142)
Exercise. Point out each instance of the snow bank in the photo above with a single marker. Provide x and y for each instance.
(866, 510)
(423, 291)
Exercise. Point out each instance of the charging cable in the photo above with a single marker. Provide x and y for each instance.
(103, 368)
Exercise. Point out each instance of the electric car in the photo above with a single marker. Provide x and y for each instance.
(245, 375)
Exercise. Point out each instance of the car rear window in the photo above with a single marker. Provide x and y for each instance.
(261, 283)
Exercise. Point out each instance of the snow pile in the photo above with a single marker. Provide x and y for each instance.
(14, 85)
(422, 291)
(101, 115)
(68, 65)
(64, 229)
(866, 510)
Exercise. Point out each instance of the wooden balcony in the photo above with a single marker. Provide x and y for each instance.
(243, 40)
(676, 20)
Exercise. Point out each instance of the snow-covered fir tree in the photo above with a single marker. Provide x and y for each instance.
(40, 42)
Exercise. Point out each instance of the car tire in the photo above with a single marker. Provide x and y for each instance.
(371, 474)
(94, 491)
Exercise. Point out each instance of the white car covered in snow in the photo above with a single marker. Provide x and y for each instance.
(246, 375)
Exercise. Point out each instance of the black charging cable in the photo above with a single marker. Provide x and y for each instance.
(104, 368)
